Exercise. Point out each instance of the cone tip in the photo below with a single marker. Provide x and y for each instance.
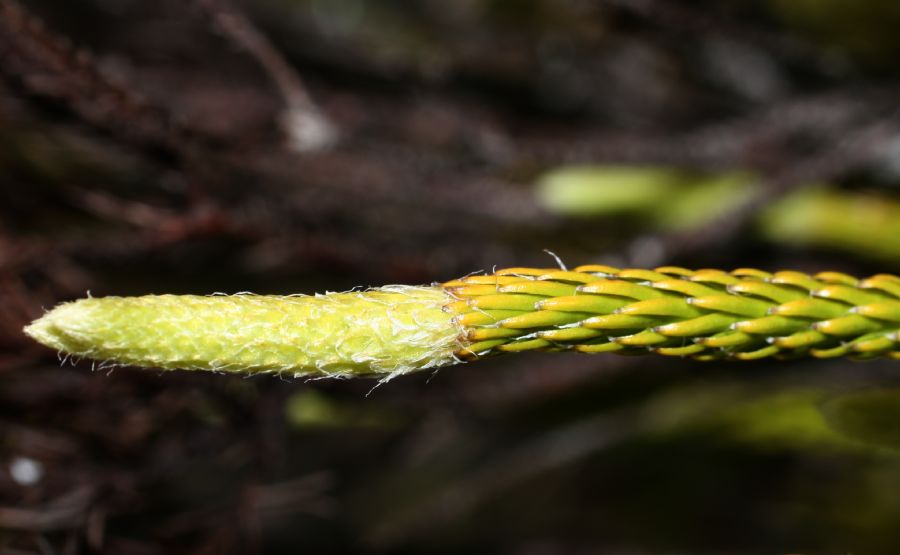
(51, 328)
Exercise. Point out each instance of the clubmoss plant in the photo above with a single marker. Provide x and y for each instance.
(706, 314)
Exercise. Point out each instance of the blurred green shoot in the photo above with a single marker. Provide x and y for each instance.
(670, 199)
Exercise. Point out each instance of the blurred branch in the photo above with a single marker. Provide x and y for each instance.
(62, 513)
(859, 145)
(306, 125)
(47, 66)
(748, 140)
(561, 446)
(678, 16)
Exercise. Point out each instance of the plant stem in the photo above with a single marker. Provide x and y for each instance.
(706, 314)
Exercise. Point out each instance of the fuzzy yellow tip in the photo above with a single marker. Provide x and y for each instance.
(63, 328)
(388, 331)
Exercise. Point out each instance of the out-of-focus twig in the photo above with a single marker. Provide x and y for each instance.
(859, 145)
(702, 21)
(744, 141)
(306, 126)
(560, 447)
(48, 66)
(65, 512)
